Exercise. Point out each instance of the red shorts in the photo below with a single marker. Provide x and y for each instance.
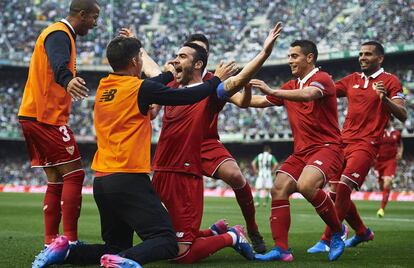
(183, 196)
(49, 145)
(359, 158)
(328, 159)
(213, 154)
(386, 168)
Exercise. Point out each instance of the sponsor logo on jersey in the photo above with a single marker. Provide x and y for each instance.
(179, 234)
(187, 164)
(355, 86)
(108, 95)
(318, 162)
(70, 149)
(355, 175)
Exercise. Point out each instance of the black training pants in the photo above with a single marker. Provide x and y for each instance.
(128, 203)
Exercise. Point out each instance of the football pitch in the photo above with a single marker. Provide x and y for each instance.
(21, 231)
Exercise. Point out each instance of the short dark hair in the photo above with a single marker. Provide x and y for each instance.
(121, 50)
(199, 37)
(379, 49)
(78, 5)
(267, 148)
(307, 47)
(201, 53)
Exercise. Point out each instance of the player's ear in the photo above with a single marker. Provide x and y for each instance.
(198, 65)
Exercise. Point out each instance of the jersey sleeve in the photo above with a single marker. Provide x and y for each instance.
(324, 83)
(395, 89)
(341, 87)
(274, 161)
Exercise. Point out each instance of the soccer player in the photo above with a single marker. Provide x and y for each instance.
(44, 111)
(122, 188)
(264, 165)
(373, 95)
(390, 150)
(310, 102)
(218, 163)
(177, 161)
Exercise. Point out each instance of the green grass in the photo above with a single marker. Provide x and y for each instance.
(21, 232)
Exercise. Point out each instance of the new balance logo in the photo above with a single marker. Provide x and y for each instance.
(108, 95)
(355, 175)
(318, 162)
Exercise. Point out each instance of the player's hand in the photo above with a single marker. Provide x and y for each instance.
(126, 32)
(380, 89)
(77, 89)
(271, 38)
(169, 67)
(225, 70)
(262, 86)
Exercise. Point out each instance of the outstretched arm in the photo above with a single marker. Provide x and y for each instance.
(149, 67)
(233, 84)
(309, 93)
(242, 99)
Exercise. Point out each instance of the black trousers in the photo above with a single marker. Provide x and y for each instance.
(127, 203)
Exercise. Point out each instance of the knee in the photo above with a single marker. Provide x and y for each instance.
(282, 190)
(235, 178)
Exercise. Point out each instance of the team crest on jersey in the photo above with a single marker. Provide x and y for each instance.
(70, 149)
(179, 234)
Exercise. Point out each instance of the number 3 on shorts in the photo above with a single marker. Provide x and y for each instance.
(65, 133)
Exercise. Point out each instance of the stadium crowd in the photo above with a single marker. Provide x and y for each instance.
(251, 123)
(236, 28)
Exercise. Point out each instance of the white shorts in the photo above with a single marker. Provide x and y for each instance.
(264, 180)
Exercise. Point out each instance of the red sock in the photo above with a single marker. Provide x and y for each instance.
(280, 222)
(385, 196)
(343, 200)
(355, 220)
(342, 203)
(326, 210)
(71, 203)
(205, 233)
(203, 247)
(245, 199)
(51, 211)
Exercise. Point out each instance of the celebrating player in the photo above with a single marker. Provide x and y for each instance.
(310, 102)
(177, 161)
(372, 96)
(390, 150)
(123, 193)
(44, 111)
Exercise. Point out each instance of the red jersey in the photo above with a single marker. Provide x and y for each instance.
(389, 145)
(314, 122)
(183, 130)
(367, 116)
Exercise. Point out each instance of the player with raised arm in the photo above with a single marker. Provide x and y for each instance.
(373, 95)
(177, 161)
(310, 102)
(122, 188)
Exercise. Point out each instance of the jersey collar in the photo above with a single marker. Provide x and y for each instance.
(372, 76)
(307, 77)
(65, 21)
